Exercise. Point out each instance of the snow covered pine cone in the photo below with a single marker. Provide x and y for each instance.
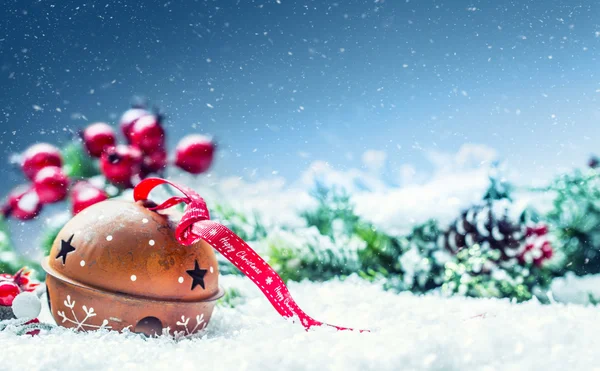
(490, 226)
(483, 225)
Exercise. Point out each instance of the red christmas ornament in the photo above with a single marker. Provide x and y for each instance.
(8, 293)
(129, 118)
(11, 286)
(51, 184)
(147, 133)
(120, 164)
(97, 137)
(23, 203)
(23, 279)
(154, 162)
(84, 195)
(194, 153)
(38, 156)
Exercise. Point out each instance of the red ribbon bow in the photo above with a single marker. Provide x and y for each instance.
(196, 224)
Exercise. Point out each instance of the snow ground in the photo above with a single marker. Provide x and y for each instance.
(408, 333)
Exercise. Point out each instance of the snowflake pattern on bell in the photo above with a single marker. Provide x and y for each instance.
(81, 325)
(186, 332)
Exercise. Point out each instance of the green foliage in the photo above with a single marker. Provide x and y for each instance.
(338, 243)
(499, 189)
(575, 219)
(381, 252)
(475, 273)
(77, 163)
(307, 254)
(248, 228)
(334, 216)
(427, 273)
(10, 261)
(232, 298)
(48, 237)
(333, 205)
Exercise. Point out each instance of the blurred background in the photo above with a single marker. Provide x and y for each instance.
(441, 146)
(395, 88)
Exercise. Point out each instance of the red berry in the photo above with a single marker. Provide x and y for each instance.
(38, 156)
(154, 162)
(23, 203)
(97, 137)
(84, 194)
(547, 250)
(147, 134)
(129, 118)
(8, 293)
(120, 164)
(51, 185)
(536, 230)
(194, 153)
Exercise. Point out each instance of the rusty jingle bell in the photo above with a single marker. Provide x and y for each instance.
(118, 265)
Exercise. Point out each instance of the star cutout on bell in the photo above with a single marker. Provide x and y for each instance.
(65, 248)
(197, 275)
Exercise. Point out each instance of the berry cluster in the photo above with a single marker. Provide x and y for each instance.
(42, 164)
(122, 165)
(145, 152)
(11, 286)
(537, 247)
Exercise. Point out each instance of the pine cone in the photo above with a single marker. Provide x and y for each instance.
(484, 225)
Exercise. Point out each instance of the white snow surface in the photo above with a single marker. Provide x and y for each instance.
(408, 332)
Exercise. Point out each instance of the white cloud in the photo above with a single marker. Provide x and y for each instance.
(458, 179)
(374, 160)
(407, 174)
(468, 156)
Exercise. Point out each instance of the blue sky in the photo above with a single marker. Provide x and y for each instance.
(284, 84)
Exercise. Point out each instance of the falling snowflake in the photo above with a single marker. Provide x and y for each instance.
(81, 325)
(269, 280)
(200, 325)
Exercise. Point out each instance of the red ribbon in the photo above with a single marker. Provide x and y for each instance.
(196, 224)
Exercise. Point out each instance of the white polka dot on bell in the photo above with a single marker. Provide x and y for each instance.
(151, 242)
(211, 270)
(180, 280)
(109, 238)
(133, 277)
(144, 220)
(82, 263)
